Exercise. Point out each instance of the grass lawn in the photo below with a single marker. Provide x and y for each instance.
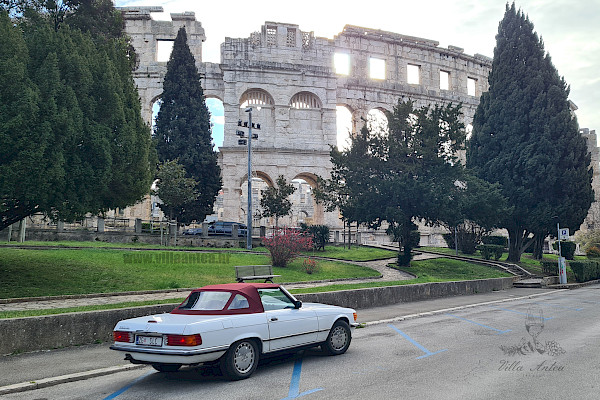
(434, 270)
(30, 273)
(98, 244)
(355, 253)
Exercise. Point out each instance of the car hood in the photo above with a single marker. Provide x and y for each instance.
(171, 323)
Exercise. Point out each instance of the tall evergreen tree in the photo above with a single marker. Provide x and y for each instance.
(92, 147)
(183, 130)
(526, 138)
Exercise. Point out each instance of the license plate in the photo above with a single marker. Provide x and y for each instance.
(149, 340)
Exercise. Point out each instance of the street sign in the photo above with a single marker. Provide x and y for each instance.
(563, 234)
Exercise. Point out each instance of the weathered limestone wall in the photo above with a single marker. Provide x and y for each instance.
(290, 75)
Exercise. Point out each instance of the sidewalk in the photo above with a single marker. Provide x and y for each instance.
(56, 366)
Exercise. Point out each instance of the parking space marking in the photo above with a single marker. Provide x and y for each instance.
(516, 312)
(124, 388)
(294, 391)
(557, 306)
(477, 323)
(414, 342)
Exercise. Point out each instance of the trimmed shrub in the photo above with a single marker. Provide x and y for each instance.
(593, 252)
(319, 234)
(585, 270)
(497, 240)
(491, 250)
(403, 260)
(550, 267)
(449, 239)
(567, 249)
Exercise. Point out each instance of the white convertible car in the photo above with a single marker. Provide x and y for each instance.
(233, 324)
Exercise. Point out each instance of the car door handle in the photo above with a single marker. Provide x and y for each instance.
(274, 319)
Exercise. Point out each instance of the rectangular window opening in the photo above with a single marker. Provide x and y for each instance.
(471, 86)
(412, 74)
(376, 68)
(163, 50)
(444, 80)
(341, 62)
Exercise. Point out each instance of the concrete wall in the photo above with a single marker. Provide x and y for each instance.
(54, 331)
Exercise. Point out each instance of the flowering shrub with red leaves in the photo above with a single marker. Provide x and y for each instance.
(310, 266)
(285, 246)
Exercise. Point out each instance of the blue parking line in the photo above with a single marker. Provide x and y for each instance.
(516, 312)
(557, 306)
(476, 323)
(414, 342)
(294, 391)
(124, 388)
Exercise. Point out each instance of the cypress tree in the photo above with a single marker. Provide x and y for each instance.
(526, 138)
(183, 130)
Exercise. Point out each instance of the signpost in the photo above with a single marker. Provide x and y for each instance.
(563, 234)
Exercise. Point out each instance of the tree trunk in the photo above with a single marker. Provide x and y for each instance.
(516, 242)
(538, 245)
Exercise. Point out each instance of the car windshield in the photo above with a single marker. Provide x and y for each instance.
(206, 301)
(274, 299)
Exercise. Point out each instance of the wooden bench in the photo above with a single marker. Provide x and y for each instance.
(250, 272)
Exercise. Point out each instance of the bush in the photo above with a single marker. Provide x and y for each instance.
(593, 252)
(585, 270)
(467, 241)
(497, 240)
(310, 266)
(567, 249)
(403, 260)
(319, 234)
(550, 267)
(491, 250)
(286, 246)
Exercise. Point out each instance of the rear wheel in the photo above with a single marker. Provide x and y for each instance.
(241, 360)
(166, 367)
(338, 339)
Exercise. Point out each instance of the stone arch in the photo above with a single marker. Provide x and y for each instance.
(258, 174)
(305, 100)
(308, 205)
(377, 120)
(256, 97)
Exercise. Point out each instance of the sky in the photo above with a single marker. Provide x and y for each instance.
(570, 29)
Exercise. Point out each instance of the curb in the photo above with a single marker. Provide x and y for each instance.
(57, 380)
(445, 310)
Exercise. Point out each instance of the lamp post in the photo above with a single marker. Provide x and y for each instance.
(249, 213)
(248, 141)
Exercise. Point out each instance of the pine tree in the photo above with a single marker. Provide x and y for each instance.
(526, 138)
(183, 130)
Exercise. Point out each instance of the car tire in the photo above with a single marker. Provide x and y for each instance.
(338, 340)
(241, 360)
(166, 367)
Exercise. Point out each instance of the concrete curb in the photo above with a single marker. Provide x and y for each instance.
(445, 310)
(57, 380)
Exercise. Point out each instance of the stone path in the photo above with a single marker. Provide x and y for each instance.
(388, 274)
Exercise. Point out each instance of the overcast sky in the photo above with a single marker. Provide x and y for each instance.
(570, 29)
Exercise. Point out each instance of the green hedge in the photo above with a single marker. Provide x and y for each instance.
(550, 267)
(497, 240)
(567, 249)
(585, 270)
(491, 250)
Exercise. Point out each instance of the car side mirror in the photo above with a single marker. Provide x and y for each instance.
(297, 304)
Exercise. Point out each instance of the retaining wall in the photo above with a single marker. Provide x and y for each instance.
(63, 330)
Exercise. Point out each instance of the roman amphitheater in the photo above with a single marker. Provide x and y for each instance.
(295, 81)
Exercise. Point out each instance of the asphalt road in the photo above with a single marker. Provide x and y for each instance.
(480, 352)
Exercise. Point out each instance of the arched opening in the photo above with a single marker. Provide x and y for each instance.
(343, 117)
(303, 205)
(256, 97)
(469, 131)
(260, 181)
(156, 103)
(377, 122)
(305, 100)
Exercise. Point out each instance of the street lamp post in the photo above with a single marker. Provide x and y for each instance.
(249, 213)
(248, 141)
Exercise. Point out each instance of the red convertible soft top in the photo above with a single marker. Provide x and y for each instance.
(248, 290)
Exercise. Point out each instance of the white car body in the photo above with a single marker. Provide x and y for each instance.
(267, 325)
